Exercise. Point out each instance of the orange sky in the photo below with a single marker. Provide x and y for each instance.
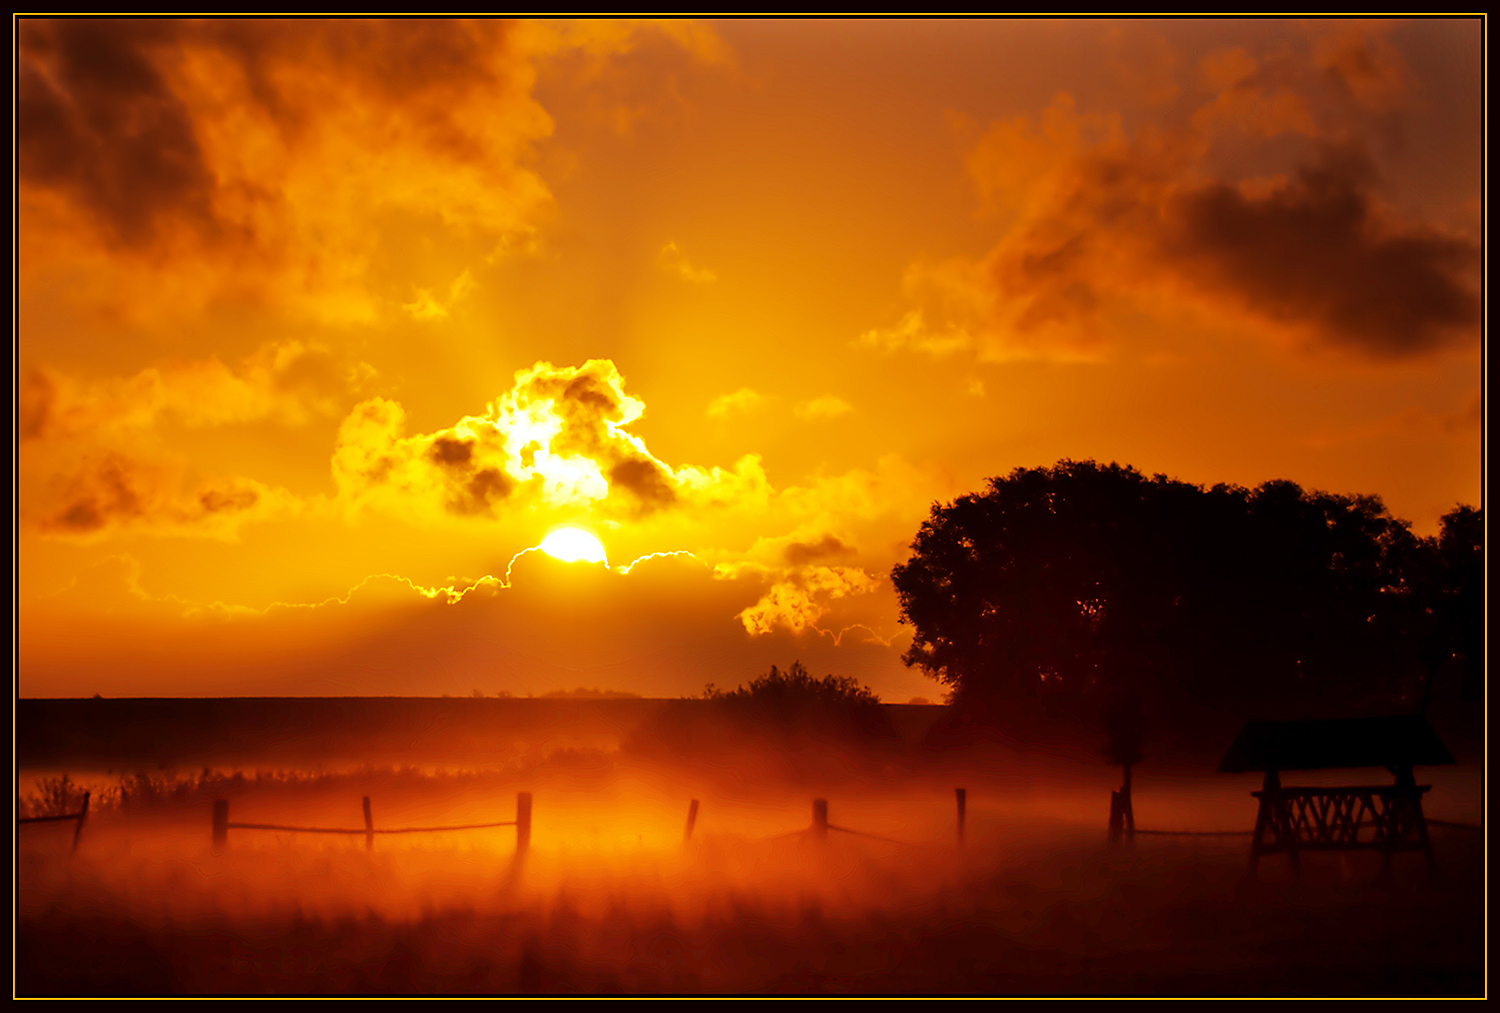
(319, 325)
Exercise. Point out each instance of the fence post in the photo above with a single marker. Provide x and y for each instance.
(83, 814)
(820, 818)
(221, 823)
(692, 819)
(523, 822)
(369, 826)
(962, 795)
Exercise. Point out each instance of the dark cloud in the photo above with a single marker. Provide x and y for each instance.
(259, 158)
(474, 488)
(447, 450)
(228, 500)
(106, 493)
(827, 547)
(36, 400)
(1314, 252)
(1256, 202)
(483, 490)
(645, 480)
(97, 121)
(114, 491)
(100, 117)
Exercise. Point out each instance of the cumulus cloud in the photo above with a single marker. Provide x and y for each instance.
(556, 447)
(802, 597)
(557, 439)
(802, 578)
(1102, 221)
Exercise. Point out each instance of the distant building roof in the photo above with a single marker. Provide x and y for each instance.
(1318, 745)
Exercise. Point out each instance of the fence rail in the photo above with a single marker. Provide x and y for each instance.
(820, 826)
(361, 831)
(522, 823)
(81, 816)
(818, 829)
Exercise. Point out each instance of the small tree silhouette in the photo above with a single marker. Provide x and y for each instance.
(793, 720)
(796, 688)
(793, 702)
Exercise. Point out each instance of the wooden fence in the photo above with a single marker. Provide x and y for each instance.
(81, 816)
(1121, 824)
(522, 823)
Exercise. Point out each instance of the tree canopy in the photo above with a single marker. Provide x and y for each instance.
(785, 723)
(794, 699)
(1096, 582)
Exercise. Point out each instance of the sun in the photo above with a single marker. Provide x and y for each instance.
(573, 544)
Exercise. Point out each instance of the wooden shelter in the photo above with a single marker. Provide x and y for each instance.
(1382, 818)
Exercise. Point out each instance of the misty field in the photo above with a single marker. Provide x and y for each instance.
(611, 900)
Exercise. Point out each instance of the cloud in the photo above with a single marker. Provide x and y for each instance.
(97, 458)
(112, 492)
(825, 407)
(557, 439)
(94, 459)
(675, 262)
(1315, 254)
(557, 446)
(829, 546)
(740, 402)
(1251, 97)
(1358, 56)
(664, 629)
(427, 307)
(179, 162)
(801, 598)
(912, 333)
(289, 381)
(1101, 223)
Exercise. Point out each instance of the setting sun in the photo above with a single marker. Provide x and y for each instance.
(572, 545)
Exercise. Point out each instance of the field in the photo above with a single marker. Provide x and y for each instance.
(610, 899)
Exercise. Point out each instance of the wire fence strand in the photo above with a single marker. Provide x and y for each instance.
(874, 837)
(362, 831)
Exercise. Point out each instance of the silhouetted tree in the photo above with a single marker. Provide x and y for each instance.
(1096, 583)
(1455, 593)
(791, 723)
(795, 700)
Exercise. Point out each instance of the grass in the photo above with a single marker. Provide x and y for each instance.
(611, 902)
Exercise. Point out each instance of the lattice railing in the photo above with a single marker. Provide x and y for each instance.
(1383, 818)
